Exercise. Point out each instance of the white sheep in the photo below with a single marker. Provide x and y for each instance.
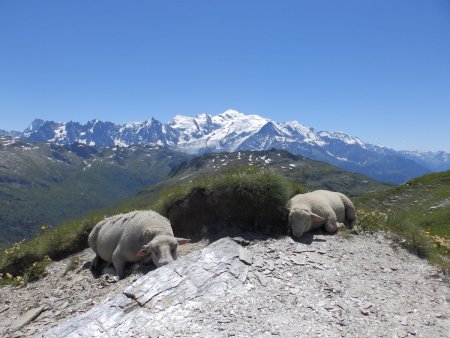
(131, 237)
(321, 207)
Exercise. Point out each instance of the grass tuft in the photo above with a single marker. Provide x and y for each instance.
(71, 265)
(37, 270)
(411, 236)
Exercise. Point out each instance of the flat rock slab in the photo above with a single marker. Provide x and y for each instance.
(27, 317)
(165, 293)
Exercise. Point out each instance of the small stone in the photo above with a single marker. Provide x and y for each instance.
(314, 257)
(404, 321)
(298, 260)
(344, 322)
(294, 291)
(258, 262)
(241, 241)
(411, 331)
(245, 256)
(262, 279)
(4, 308)
(302, 248)
(365, 311)
(224, 321)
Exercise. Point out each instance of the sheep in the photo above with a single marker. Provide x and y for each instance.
(131, 237)
(321, 207)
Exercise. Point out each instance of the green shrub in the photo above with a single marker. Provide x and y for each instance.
(37, 270)
(250, 198)
(252, 195)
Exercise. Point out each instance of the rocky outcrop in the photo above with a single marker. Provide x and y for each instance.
(203, 276)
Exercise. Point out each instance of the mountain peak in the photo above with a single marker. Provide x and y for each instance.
(231, 114)
(36, 124)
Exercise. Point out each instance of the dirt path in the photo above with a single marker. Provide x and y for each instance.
(325, 286)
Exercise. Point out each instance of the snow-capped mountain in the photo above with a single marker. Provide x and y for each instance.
(436, 161)
(223, 132)
(234, 131)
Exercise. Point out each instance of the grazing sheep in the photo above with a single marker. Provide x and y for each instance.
(130, 237)
(321, 207)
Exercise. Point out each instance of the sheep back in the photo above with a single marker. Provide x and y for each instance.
(130, 231)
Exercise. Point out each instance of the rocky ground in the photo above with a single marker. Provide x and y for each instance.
(323, 286)
(58, 297)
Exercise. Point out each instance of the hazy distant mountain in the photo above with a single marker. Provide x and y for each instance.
(11, 133)
(435, 161)
(231, 131)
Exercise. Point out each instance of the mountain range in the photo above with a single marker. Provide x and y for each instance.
(233, 131)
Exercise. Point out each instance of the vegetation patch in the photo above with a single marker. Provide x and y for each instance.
(71, 265)
(411, 236)
(55, 244)
(250, 199)
(416, 213)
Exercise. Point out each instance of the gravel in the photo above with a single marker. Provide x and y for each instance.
(321, 286)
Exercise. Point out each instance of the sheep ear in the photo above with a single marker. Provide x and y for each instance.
(317, 218)
(144, 251)
(182, 241)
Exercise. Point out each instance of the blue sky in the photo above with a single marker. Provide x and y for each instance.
(379, 70)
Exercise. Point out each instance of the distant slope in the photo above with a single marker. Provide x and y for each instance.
(45, 184)
(425, 200)
(311, 174)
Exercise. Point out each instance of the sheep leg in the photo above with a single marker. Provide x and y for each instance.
(350, 213)
(331, 224)
(97, 265)
(119, 263)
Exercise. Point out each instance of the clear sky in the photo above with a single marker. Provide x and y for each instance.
(379, 70)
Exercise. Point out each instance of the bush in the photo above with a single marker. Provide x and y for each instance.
(251, 198)
(37, 270)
